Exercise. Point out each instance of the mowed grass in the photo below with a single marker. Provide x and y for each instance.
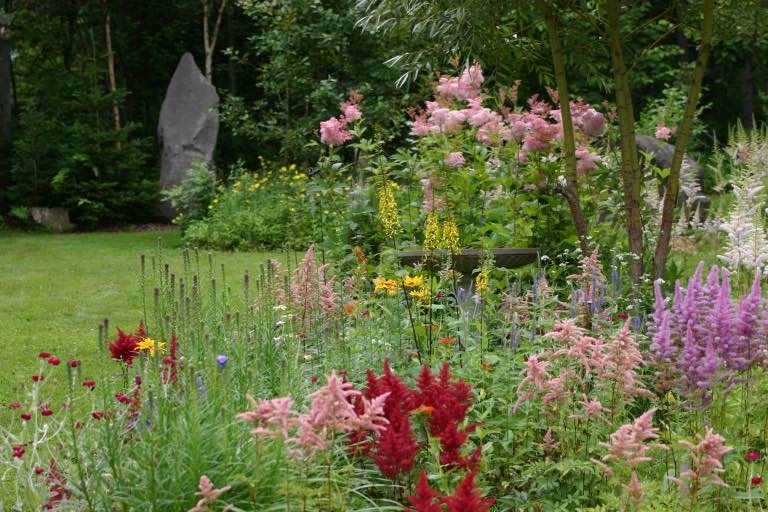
(55, 289)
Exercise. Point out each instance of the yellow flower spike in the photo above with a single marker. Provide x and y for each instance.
(431, 233)
(413, 282)
(149, 344)
(390, 217)
(481, 281)
(450, 239)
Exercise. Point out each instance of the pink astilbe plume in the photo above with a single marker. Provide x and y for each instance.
(423, 500)
(706, 462)
(431, 200)
(535, 372)
(565, 330)
(273, 418)
(467, 498)
(622, 359)
(208, 495)
(331, 405)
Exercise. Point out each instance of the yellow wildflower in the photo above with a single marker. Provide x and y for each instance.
(413, 282)
(390, 218)
(450, 239)
(420, 294)
(381, 284)
(431, 233)
(292, 167)
(481, 281)
(149, 344)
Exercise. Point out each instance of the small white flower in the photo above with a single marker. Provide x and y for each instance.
(280, 307)
(307, 357)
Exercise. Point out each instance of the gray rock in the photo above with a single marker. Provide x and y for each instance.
(188, 127)
(691, 175)
(55, 219)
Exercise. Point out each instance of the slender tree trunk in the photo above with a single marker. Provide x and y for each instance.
(747, 89)
(571, 191)
(631, 176)
(683, 133)
(111, 68)
(209, 40)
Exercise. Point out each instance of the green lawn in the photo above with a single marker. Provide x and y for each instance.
(55, 289)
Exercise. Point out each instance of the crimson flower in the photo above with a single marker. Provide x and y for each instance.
(55, 361)
(467, 497)
(314, 379)
(15, 405)
(124, 347)
(752, 456)
(78, 425)
(122, 398)
(18, 451)
(424, 499)
(97, 415)
(757, 480)
(44, 355)
(440, 295)
(90, 384)
(39, 470)
(623, 316)
(45, 411)
(26, 416)
(74, 363)
(37, 378)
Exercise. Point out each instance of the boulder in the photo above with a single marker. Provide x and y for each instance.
(55, 219)
(691, 175)
(188, 127)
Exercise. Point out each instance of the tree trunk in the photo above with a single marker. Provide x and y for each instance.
(209, 40)
(683, 133)
(111, 68)
(571, 191)
(630, 166)
(747, 89)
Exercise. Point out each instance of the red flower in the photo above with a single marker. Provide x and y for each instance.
(90, 384)
(48, 506)
(26, 416)
(97, 415)
(15, 405)
(467, 497)
(623, 316)
(314, 379)
(18, 451)
(37, 378)
(424, 499)
(45, 411)
(123, 348)
(78, 425)
(122, 398)
(39, 470)
(44, 355)
(752, 456)
(55, 361)
(74, 363)
(440, 295)
(757, 480)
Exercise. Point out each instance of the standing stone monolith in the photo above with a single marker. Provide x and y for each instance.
(188, 127)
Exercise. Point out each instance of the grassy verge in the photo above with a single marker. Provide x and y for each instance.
(55, 289)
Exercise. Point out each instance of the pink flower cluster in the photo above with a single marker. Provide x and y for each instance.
(334, 131)
(611, 364)
(706, 461)
(312, 292)
(536, 130)
(331, 410)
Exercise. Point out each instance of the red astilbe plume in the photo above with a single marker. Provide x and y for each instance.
(467, 498)
(451, 441)
(424, 498)
(170, 373)
(450, 400)
(396, 448)
(123, 348)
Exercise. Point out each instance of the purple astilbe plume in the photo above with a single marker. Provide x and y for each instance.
(621, 360)
(659, 309)
(748, 326)
(698, 366)
(664, 354)
(706, 462)
(723, 327)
